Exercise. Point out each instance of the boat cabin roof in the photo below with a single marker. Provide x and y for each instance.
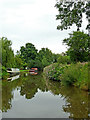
(33, 68)
(13, 69)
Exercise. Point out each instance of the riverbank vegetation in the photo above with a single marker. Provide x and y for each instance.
(73, 74)
(73, 68)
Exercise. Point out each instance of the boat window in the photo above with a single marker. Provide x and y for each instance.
(9, 69)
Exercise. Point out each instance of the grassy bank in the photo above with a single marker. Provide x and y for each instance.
(69, 75)
(24, 70)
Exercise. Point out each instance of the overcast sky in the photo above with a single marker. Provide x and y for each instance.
(34, 21)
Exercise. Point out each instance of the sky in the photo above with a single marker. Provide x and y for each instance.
(33, 21)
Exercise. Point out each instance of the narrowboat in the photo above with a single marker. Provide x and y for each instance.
(33, 71)
(13, 70)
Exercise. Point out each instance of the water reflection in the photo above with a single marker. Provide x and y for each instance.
(33, 73)
(0, 99)
(31, 84)
(8, 92)
(6, 97)
(26, 85)
(76, 100)
(13, 78)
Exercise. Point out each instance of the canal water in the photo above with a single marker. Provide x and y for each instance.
(31, 96)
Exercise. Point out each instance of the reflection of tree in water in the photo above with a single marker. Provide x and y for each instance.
(31, 84)
(76, 99)
(7, 93)
(28, 84)
(0, 95)
(53, 86)
(28, 89)
(89, 104)
(6, 97)
(78, 103)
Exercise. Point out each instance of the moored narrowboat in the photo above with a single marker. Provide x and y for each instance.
(33, 71)
(13, 70)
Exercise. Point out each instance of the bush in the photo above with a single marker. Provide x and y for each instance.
(3, 69)
(4, 73)
(64, 59)
(71, 74)
(83, 79)
(77, 75)
(56, 73)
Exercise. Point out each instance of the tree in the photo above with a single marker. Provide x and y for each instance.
(7, 52)
(78, 43)
(31, 63)
(64, 59)
(18, 61)
(45, 61)
(33, 58)
(55, 57)
(46, 53)
(29, 52)
(71, 12)
(38, 63)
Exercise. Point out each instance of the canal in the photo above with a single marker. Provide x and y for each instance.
(31, 96)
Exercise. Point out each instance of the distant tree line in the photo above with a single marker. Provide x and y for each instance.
(33, 58)
(28, 56)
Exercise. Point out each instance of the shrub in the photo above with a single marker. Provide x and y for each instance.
(4, 73)
(71, 74)
(3, 69)
(64, 59)
(83, 79)
(56, 73)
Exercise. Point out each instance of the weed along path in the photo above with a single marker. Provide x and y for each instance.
(31, 96)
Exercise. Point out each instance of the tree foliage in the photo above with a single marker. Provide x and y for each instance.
(45, 56)
(7, 52)
(33, 58)
(28, 52)
(64, 59)
(18, 62)
(78, 43)
(71, 12)
(28, 56)
(8, 59)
